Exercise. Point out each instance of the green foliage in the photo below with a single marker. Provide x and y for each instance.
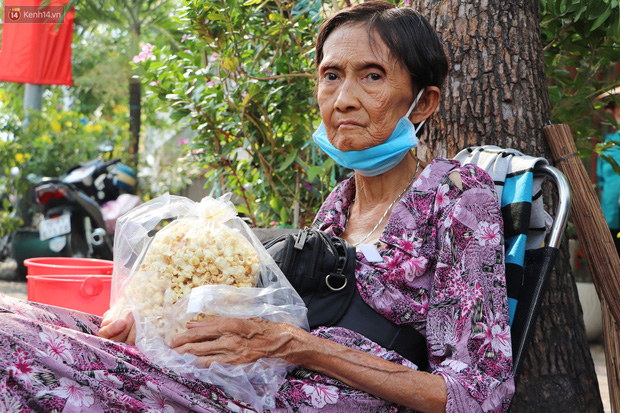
(101, 69)
(106, 37)
(169, 170)
(581, 41)
(53, 141)
(8, 222)
(74, 120)
(244, 82)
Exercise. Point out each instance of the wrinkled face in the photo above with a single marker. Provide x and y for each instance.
(362, 90)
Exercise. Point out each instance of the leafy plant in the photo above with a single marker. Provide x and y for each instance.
(53, 141)
(8, 222)
(75, 120)
(581, 43)
(130, 22)
(171, 170)
(244, 82)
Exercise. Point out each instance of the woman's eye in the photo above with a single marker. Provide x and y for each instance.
(331, 76)
(373, 77)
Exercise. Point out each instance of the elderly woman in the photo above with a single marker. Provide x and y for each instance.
(430, 258)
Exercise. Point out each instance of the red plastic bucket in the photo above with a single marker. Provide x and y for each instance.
(68, 265)
(82, 284)
(89, 293)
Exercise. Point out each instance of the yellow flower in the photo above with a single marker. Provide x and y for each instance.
(55, 126)
(21, 157)
(120, 109)
(93, 128)
(68, 123)
(46, 138)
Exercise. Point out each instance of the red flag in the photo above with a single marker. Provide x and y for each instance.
(34, 48)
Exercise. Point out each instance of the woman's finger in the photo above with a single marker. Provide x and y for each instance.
(121, 330)
(113, 329)
(205, 348)
(228, 349)
(211, 329)
(234, 341)
(196, 332)
(206, 361)
(131, 337)
(106, 319)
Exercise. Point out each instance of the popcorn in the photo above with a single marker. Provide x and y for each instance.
(184, 255)
(207, 243)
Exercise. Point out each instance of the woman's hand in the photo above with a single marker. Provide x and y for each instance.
(236, 341)
(121, 329)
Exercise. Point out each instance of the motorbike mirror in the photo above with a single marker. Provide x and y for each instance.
(106, 147)
(34, 178)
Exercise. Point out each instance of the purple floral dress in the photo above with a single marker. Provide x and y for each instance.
(442, 273)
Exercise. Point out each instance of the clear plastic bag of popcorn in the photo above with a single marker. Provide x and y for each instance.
(176, 260)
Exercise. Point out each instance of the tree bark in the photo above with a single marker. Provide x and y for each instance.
(135, 108)
(496, 93)
(135, 93)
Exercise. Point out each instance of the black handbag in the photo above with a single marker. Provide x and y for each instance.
(321, 268)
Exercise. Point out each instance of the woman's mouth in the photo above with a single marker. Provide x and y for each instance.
(348, 123)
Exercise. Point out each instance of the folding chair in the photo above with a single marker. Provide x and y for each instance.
(537, 270)
(530, 256)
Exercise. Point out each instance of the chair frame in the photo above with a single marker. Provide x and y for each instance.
(564, 201)
(523, 331)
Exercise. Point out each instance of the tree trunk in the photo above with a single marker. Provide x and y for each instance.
(496, 94)
(135, 95)
(135, 106)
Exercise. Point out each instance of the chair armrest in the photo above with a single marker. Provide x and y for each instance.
(564, 200)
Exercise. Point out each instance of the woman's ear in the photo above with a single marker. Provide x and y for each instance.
(426, 105)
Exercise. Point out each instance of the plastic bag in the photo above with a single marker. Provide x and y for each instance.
(155, 270)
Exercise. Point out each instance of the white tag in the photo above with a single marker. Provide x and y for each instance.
(370, 252)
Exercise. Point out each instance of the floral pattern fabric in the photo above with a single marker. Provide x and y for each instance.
(442, 273)
(53, 361)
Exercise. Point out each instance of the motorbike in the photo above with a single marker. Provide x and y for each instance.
(71, 206)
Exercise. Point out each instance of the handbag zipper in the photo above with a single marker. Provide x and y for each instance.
(301, 239)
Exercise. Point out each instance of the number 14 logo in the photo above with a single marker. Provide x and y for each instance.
(14, 14)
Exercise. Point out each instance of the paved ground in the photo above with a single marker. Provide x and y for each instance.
(19, 289)
(14, 288)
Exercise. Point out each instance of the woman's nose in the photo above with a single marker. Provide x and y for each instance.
(347, 97)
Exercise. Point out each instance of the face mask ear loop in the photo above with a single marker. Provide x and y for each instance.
(419, 126)
(415, 102)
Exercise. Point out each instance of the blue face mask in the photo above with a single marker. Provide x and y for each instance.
(377, 159)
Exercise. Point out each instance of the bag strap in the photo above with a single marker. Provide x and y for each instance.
(403, 339)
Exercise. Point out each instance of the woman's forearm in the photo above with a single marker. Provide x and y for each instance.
(418, 390)
(240, 341)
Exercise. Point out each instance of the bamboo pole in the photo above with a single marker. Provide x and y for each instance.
(599, 249)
